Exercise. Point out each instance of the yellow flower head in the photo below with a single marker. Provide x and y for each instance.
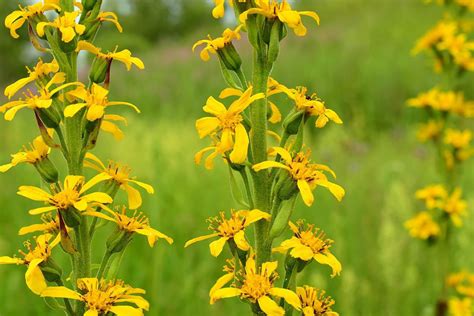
(314, 302)
(33, 258)
(50, 225)
(227, 125)
(455, 207)
(123, 56)
(272, 9)
(457, 138)
(444, 29)
(460, 307)
(432, 195)
(95, 100)
(66, 24)
(310, 243)
(40, 71)
(257, 286)
(16, 19)
(39, 151)
(103, 297)
(306, 174)
(219, 9)
(463, 282)
(72, 194)
(214, 45)
(137, 223)
(230, 229)
(468, 4)
(313, 106)
(423, 226)
(120, 175)
(430, 130)
(42, 100)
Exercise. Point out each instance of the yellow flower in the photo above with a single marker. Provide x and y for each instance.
(469, 4)
(214, 45)
(219, 9)
(314, 302)
(227, 125)
(71, 195)
(229, 275)
(103, 297)
(307, 175)
(39, 151)
(430, 130)
(432, 195)
(230, 229)
(460, 307)
(425, 99)
(16, 19)
(442, 30)
(257, 286)
(40, 71)
(95, 100)
(313, 106)
(50, 225)
(308, 244)
(455, 207)
(43, 100)
(463, 282)
(120, 175)
(108, 125)
(457, 138)
(215, 150)
(34, 259)
(272, 9)
(422, 226)
(137, 223)
(123, 56)
(110, 17)
(66, 25)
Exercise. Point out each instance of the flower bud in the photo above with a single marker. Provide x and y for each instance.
(292, 122)
(100, 68)
(230, 57)
(51, 270)
(92, 130)
(286, 187)
(274, 41)
(50, 117)
(47, 170)
(71, 217)
(282, 218)
(89, 4)
(66, 47)
(118, 241)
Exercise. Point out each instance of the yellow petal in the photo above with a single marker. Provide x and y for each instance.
(269, 307)
(223, 280)
(216, 246)
(302, 252)
(306, 192)
(289, 296)
(10, 260)
(269, 164)
(240, 241)
(72, 109)
(254, 216)
(148, 188)
(34, 277)
(98, 197)
(91, 312)
(329, 259)
(34, 193)
(134, 196)
(230, 92)
(239, 153)
(282, 152)
(206, 125)
(224, 293)
(214, 107)
(41, 210)
(61, 292)
(200, 238)
(335, 189)
(95, 180)
(126, 311)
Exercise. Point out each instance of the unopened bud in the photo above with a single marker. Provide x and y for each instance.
(89, 4)
(50, 117)
(51, 270)
(47, 170)
(286, 187)
(292, 122)
(118, 241)
(230, 57)
(71, 217)
(100, 68)
(282, 218)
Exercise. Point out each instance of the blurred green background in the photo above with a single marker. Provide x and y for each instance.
(358, 61)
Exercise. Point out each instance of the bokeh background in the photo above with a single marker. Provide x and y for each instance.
(358, 61)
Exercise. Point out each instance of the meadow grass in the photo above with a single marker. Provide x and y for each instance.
(359, 63)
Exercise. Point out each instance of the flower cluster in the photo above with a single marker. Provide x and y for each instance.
(240, 122)
(70, 116)
(461, 301)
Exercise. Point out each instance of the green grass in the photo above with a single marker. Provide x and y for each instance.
(359, 63)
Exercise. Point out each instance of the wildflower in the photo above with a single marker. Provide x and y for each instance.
(307, 175)
(314, 302)
(313, 106)
(230, 229)
(272, 9)
(468, 4)
(124, 56)
(219, 9)
(433, 37)
(423, 226)
(38, 152)
(432, 195)
(425, 99)
(71, 195)
(257, 286)
(463, 282)
(455, 207)
(43, 100)
(34, 259)
(308, 244)
(460, 307)
(120, 175)
(214, 46)
(227, 124)
(103, 297)
(229, 275)
(457, 138)
(40, 71)
(137, 223)
(430, 130)
(66, 25)
(95, 100)
(50, 225)
(16, 19)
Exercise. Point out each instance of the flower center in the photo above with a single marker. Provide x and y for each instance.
(64, 199)
(230, 120)
(227, 227)
(255, 286)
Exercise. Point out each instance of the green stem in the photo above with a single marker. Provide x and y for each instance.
(104, 264)
(242, 78)
(245, 178)
(83, 258)
(67, 303)
(63, 143)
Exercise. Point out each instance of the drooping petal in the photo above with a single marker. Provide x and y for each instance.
(95, 180)
(126, 311)
(72, 109)
(306, 192)
(270, 307)
(61, 292)
(34, 277)
(148, 188)
(239, 153)
(217, 246)
(241, 241)
(302, 252)
(269, 164)
(214, 107)
(133, 195)
(335, 189)
(223, 280)
(206, 125)
(289, 296)
(224, 293)
(329, 259)
(282, 152)
(200, 238)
